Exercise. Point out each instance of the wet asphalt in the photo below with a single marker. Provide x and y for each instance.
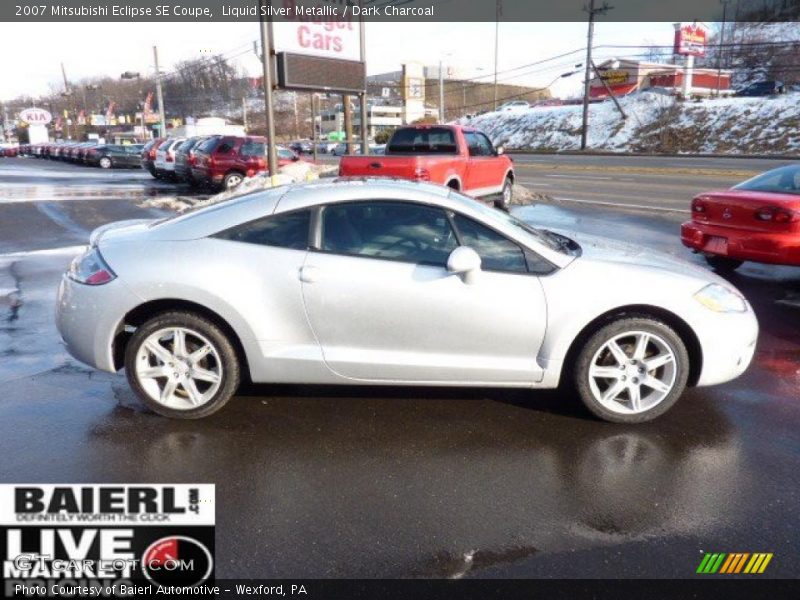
(409, 482)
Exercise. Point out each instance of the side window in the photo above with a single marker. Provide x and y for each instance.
(225, 147)
(487, 148)
(252, 149)
(472, 143)
(390, 230)
(496, 251)
(287, 230)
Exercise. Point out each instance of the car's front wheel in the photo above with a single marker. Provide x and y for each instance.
(504, 200)
(105, 163)
(631, 370)
(182, 365)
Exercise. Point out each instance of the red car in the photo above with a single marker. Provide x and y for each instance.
(149, 155)
(222, 162)
(459, 157)
(757, 220)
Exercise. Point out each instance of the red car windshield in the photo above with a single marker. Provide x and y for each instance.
(783, 180)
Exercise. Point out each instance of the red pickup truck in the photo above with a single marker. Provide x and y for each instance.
(459, 157)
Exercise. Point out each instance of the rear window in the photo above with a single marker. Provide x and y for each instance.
(429, 140)
(783, 180)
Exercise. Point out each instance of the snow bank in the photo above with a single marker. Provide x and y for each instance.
(292, 173)
(656, 122)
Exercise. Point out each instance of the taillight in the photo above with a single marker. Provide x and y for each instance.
(421, 174)
(212, 162)
(775, 214)
(90, 269)
(152, 154)
(698, 206)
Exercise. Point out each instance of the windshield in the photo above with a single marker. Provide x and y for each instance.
(551, 240)
(783, 180)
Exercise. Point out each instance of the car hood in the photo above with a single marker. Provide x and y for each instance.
(610, 251)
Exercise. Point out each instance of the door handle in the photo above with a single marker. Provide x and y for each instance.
(308, 274)
(375, 165)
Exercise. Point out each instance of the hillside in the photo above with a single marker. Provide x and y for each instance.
(656, 123)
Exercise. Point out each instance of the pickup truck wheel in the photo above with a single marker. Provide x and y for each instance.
(504, 201)
(723, 264)
(232, 180)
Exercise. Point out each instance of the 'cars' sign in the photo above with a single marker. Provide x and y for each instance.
(690, 39)
(35, 116)
(322, 33)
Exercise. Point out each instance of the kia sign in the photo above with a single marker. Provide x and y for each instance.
(690, 39)
(35, 116)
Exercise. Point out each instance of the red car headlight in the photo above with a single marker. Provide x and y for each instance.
(91, 269)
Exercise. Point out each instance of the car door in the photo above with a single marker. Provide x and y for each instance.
(485, 169)
(384, 307)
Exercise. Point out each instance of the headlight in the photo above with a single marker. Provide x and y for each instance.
(91, 269)
(718, 298)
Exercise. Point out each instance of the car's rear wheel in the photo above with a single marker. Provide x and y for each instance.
(723, 264)
(631, 370)
(105, 163)
(232, 180)
(504, 201)
(182, 365)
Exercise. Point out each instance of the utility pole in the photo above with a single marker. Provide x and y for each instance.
(590, 35)
(296, 117)
(244, 113)
(721, 42)
(363, 105)
(266, 64)
(67, 93)
(161, 113)
(498, 10)
(441, 93)
(348, 123)
(314, 126)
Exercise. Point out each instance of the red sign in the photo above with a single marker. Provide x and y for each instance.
(690, 39)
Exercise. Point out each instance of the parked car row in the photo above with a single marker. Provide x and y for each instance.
(217, 162)
(92, 153)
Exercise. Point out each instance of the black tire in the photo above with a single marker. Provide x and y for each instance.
(581, 380)
(503, 202)
(228, 182)
(723, 264)
(106, 163)
(230, 368)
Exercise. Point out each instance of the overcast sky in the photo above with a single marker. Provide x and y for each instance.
(89, 49)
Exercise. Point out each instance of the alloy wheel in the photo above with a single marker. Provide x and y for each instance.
(179, 368)
(633, 372)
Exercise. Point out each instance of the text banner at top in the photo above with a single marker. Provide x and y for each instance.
(400, 11)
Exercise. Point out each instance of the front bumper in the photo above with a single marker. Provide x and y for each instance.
(728, 342)
(89, 317)
(772, 248)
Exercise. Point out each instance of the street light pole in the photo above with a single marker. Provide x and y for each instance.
(498, 10)
(266, 64)
(161, 112)
(589, 37)
(721, 43)
(441, 93)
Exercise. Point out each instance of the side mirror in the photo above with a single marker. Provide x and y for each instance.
(465, 261)
(500, 150)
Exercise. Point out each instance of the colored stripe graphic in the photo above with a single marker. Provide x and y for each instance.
(733, 563)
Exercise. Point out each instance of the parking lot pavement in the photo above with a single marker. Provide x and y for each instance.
(398, 482)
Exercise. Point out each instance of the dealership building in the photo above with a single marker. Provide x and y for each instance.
(626, 76)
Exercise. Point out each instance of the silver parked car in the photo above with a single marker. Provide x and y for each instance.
(393, 282)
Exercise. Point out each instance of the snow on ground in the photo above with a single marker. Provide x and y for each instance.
(656, 122)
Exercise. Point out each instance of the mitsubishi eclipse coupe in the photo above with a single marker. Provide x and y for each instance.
(380, 281)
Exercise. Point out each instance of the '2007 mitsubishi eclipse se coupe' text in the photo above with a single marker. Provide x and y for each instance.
(381, 281)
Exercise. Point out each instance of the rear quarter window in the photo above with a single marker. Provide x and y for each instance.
(285, 230)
